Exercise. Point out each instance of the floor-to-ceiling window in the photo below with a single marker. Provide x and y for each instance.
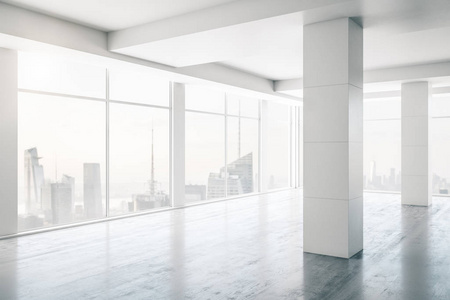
(382, 144)
(222, 144)
(95, 141)
(205, 144)
(92, 142)
(278, 145)
(61, 141)
(139, 135)
(440, 144)
(242, 145)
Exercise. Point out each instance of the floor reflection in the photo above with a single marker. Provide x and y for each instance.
(328, 277)
(249, 248)
(177, 250)
(8, 269)
(415, 277)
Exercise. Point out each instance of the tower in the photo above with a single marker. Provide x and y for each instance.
(373, 172)
(62, 197)
(92, 191)
(34, 178)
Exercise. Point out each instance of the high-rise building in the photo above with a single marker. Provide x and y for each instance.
(239, 177)
(58, 200)
(34, 179)
(216, 185)
(242, 168)
(92, 191)
(154, 197)
(195, 192)
(372, 172)
(392, 178)
(62, 201)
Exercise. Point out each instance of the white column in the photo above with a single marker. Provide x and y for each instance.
(8, 142)
(416, 171)
(333, 150)
(178, 142)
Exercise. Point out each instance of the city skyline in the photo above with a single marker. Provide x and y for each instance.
(54, 201)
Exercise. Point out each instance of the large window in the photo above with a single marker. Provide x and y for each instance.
(52, 73)
(76, 124)
(278, 146)
(61, 142)
(242, 145)
(139, 158)
(382, 144)
(222, 144)
(95, 142)
(139, 135)
(440, 144)
(205, 156)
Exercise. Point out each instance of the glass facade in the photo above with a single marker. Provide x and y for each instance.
(382, 144)
(138, 158)
(222, 144)
(62, 160)
(440, 140)
(96, 142)
(278, 146)
(205, 156)
(242, 155)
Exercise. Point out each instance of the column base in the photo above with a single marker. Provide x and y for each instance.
(333, 227)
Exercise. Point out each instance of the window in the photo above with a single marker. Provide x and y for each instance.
(205, 156)
(139, 158)
(139, 134)
(56, 74)
(242, 106)
(278, 146)
(242, 155)
(95, 142)
(440, 144)
(138, 87)
(65, 149)
(202, 99)
(212, 172)
(61, 160)
(382, 144)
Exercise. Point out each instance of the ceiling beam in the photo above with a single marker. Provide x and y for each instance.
(288, 85)
(23, 29)
(399, 74)
(226, 15)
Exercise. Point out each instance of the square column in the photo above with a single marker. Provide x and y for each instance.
(416, 171)
(333, 149)
(178, 145)
(8, 138)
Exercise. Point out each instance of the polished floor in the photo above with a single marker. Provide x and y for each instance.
(248, 248)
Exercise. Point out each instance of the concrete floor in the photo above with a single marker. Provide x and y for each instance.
(248, 248)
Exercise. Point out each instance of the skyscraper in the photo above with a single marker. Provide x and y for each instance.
(372, 172)
(239, 177)
(62, 200)
(154, 197)
(92, 191)
(34, 179)
(195, 192)
(242, 168)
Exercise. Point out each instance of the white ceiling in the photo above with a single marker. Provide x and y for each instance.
(396, 32)
(109, 15)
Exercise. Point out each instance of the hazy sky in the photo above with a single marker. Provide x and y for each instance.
(69, 132)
